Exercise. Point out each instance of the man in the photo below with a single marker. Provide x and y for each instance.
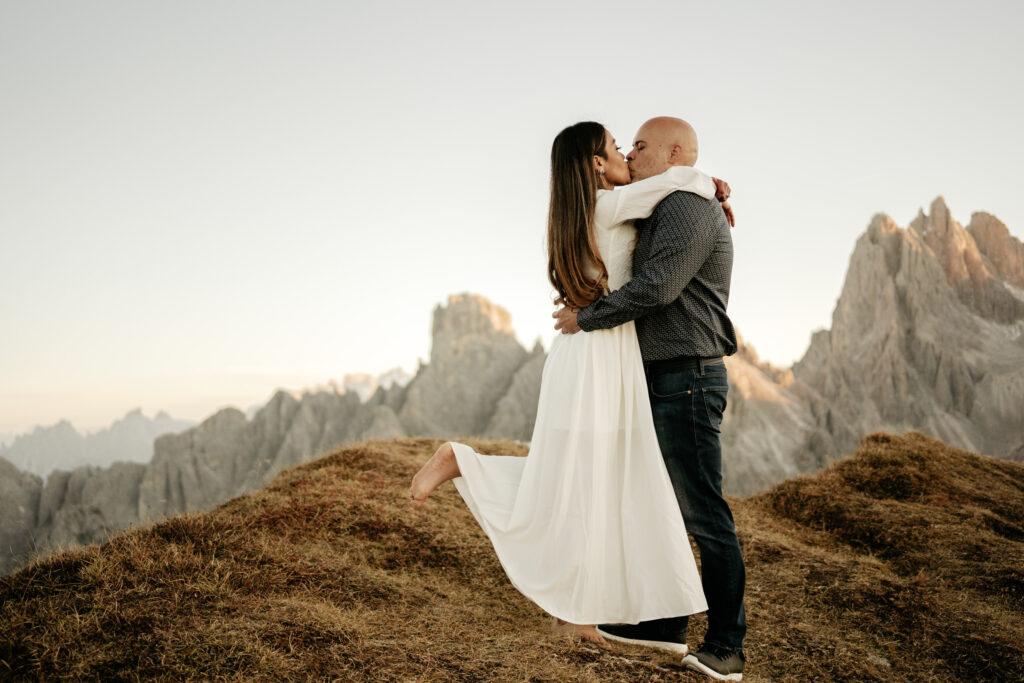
(682, 266)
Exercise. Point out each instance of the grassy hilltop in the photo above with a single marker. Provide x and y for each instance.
(902, 562)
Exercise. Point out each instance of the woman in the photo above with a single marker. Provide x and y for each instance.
(587, 525)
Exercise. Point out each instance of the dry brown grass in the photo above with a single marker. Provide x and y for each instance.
(903, 562)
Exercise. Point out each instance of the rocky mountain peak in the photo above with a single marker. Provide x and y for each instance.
(471, 314)
(979, 276)
(474, 357)
(365, 384)
(63, 426)
(882, 224)
(950, 243)
(925, 330)
(1004, 252)
(134, 414)
(937, 221)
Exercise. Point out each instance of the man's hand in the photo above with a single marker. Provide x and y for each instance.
(566, 320)
(729, 215)
(722, 190)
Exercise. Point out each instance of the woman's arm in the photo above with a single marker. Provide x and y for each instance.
(637, 200)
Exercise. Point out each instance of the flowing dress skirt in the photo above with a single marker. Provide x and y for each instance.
(587, 525)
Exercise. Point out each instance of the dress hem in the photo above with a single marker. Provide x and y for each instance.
(463, 487)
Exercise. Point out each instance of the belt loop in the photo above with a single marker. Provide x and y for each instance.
(701, 361)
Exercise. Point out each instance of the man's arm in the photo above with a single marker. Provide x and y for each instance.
(641, 197)
(684, 236)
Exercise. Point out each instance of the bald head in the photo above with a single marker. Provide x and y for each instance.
(662, 142)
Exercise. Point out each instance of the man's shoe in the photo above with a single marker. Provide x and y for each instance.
(647, 635)
(720, 664)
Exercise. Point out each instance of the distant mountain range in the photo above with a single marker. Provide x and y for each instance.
(926, 335)
(365, 384)
(63, 447)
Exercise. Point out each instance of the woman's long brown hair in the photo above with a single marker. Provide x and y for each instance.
(571, 243)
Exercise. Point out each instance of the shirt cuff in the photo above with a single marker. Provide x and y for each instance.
(583, 318)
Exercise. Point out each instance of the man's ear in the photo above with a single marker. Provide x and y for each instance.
(675, 154)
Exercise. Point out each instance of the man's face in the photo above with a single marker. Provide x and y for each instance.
(649, 156)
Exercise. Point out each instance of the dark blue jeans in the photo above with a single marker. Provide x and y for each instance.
(687, 407)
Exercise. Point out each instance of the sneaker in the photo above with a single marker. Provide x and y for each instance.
(648, 635)
(723, 665)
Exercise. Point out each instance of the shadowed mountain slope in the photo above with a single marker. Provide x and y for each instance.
(902, 562)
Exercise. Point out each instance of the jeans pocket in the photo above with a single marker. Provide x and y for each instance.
(672, 385)
(714, 405)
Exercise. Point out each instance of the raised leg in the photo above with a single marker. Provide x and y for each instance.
(441, 467)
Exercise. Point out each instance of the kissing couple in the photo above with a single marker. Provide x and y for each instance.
(625, 457)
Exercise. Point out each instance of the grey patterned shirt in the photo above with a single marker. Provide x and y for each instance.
(682, 266)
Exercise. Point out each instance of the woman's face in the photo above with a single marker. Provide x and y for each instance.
(616, 172)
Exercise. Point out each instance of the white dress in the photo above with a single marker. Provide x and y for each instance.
(587, 525)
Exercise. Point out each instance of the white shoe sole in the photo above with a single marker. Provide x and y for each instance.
(676, 648)
(693, 663)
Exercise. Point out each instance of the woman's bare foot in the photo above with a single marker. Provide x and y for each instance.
(441, 467)
(578, 631)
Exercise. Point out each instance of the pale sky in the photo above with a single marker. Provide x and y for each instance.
(203, 201)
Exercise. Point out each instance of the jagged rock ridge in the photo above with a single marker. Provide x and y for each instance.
(479, 379)
(926, 335)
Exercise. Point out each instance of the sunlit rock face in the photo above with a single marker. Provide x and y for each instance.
(1004, 253)
(926, 335)
(769, 427)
